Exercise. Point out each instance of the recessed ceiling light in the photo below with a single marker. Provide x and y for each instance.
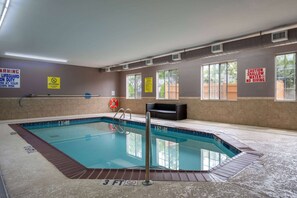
(35, 57)
(4, 11)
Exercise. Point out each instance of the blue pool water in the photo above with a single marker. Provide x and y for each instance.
(100, 143)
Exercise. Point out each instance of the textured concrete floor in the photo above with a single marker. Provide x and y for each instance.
(274, 175)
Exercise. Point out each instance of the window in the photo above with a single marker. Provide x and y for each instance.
(285, 69)
(133, 86)
(167, 84)
(210, 159)
(167, 154)
(219, 81)
(134, 144)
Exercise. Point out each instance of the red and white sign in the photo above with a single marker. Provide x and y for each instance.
(255, 75)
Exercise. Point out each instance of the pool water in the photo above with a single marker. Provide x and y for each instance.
(106, 144)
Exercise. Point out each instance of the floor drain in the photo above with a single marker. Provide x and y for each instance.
(13, 133)
(29, 149)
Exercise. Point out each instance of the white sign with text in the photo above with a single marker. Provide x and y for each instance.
(10, 78)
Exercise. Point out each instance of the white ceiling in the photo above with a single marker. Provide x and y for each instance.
(98, 33)
(1, 5)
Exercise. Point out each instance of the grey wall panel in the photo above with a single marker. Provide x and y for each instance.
(292, 34)
(197, 53)
(256, 59)
(74, 79)
(162, 60)
(189, 78)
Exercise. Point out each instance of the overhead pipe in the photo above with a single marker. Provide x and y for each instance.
(276, 29)
(225, 41)
(279, 29)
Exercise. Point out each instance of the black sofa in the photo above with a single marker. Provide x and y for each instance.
(167, 111)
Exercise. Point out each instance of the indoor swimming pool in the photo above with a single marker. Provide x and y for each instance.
(109, 144)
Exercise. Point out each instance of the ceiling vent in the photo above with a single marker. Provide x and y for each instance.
(126, 67)
(176, 57)
(279, 36)
(107, 69)
(217, 48)
(149, 61)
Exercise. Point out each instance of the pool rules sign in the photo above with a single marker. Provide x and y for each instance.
(255, 75)
(10, 78)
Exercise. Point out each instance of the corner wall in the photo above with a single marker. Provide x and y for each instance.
(75, 80)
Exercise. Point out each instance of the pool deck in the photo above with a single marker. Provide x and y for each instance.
(273, 175)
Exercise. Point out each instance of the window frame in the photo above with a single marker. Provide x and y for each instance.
(135, 86)
(219, 80)
(157, 85)
(275, 77)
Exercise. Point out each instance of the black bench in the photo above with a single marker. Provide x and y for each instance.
(167, 111)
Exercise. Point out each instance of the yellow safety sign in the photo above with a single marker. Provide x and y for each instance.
(53, 82)
(148, 85)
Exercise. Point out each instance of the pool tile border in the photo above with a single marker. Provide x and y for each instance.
(74, 170)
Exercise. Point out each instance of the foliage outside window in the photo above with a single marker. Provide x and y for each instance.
(219, 81)
(285, 69)
(133, 86)
(167, 84)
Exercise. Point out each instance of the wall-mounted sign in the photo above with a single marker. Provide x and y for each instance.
(10, 78)
(255, 75)
(148, 85)
(53, 82)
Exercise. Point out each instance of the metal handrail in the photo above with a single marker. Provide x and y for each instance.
(121, 109)
(130, 111)
(122, 130)
(122, 116)
(147, 180)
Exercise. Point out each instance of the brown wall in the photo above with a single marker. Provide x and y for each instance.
(47, 107)
(255, 104)
(189, 72)
(74, 81)
(247, 111)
